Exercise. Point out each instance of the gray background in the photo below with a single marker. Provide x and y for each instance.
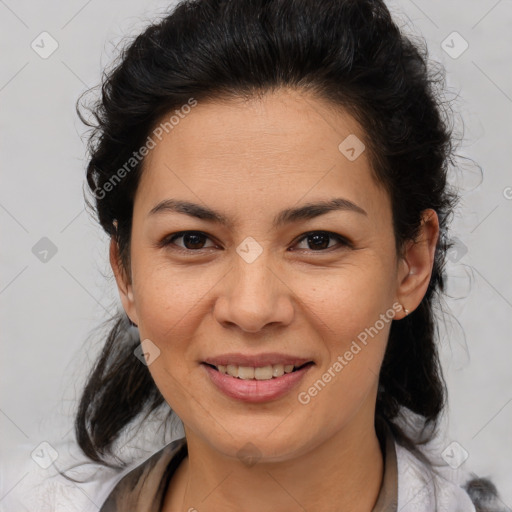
(48, 308)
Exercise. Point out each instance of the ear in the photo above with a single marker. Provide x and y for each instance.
(415, 266)
(124, 285)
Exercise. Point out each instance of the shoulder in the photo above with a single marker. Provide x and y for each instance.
(423, 488)
(38, 482)
(89, 487)
(142, 487)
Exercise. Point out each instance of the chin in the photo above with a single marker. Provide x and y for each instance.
(266, 445)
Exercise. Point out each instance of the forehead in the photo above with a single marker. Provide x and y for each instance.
(260, 152)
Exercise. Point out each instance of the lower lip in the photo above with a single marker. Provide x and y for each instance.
(256, 391)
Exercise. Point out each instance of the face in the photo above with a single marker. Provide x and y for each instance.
(252, 275)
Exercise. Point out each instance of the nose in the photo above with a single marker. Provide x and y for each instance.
(253, 296)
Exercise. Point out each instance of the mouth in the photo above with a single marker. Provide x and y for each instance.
(256, 379)
(267, 372)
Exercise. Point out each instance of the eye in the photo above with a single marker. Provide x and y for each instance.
(319, 240)
(191, 240)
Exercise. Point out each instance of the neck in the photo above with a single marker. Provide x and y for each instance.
(345, 470)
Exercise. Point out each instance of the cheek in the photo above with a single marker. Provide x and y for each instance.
(349, 372)
(169, 298)
(352, 311)
(170, 303)
(349, 299)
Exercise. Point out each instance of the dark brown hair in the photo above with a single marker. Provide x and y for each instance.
(349, 52)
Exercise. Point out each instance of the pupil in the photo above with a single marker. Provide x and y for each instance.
(317, 241)
(193, 239)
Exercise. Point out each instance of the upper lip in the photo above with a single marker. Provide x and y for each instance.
(257, 360)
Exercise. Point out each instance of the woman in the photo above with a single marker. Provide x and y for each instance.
(272, 174)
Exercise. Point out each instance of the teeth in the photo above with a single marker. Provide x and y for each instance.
(278, 370)
(263, 373)
(245, 372)
(260, 373)
(232, 370)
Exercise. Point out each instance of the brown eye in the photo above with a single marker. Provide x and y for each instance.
(320, 240)
(191, 240)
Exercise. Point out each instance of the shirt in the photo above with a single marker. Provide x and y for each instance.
(404, 487)
(408, 485)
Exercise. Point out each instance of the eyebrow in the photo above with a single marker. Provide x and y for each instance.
(287, 216)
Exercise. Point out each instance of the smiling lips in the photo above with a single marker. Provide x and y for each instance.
(256, 378)
(259, 367)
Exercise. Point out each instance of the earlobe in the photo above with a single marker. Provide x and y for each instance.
(417, 262)
(124, 285)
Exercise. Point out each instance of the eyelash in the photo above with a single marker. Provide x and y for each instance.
(168, 241)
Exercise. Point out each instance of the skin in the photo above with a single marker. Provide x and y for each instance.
(249, 160)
